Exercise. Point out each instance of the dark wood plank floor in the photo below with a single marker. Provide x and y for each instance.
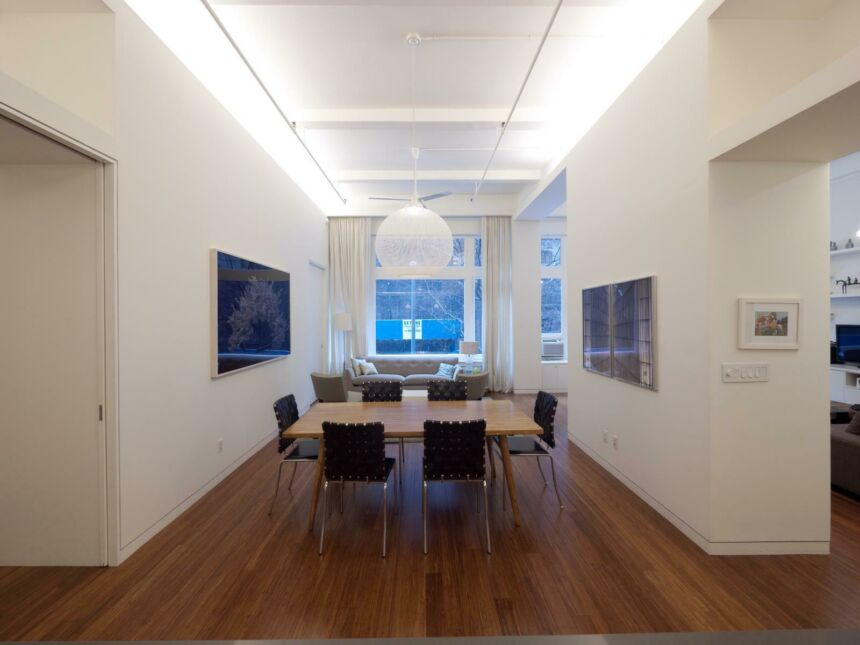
(608, 563)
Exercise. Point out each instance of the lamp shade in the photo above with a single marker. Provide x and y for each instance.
(343, 322)
(415, 242)
(468, 347)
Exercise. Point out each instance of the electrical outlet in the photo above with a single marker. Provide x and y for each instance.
(605, 437)
(615, 441)
(220, 445)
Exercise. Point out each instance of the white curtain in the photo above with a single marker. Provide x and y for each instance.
(499, 324)
(350, 265)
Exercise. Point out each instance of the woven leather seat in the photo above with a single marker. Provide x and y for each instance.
(377, 391)
(355, 452)
(294, 451)
(544, 415)
(444, 390)
(454, 452)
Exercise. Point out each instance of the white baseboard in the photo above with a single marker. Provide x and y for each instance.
(183, 506)
(711, 548)
(549, 390)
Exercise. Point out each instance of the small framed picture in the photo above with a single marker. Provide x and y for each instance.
(768, 323)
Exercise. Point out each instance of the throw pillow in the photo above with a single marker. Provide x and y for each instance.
(854, 426)
(356, 365)
(446, 371)
(368, 368)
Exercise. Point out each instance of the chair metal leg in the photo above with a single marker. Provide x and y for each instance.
(402, 461)
(424, 515)
(487, 517)
(384, 519)
(477, 501)
(545, 482)
(555, 483)
(325, 513)
(277, 486)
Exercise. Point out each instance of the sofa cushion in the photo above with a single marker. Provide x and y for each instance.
(370, 378)
(368, 369)
(418, 379)
(446, 371)
(406, 365)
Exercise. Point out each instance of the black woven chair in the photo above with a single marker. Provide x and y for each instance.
(355, 452)
(537, 447)
(294, 451)
(380, 391)
(454, 452)
(444, 390)
(383, 392)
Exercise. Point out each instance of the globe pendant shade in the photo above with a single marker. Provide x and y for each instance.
(415, 242)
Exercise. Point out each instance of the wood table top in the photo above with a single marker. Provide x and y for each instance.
(406, 418)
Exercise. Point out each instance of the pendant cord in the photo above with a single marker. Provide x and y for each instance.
(412, 150)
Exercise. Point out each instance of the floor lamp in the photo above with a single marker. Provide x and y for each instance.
(343, 323)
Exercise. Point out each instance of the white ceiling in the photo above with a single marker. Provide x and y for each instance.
(341, 70)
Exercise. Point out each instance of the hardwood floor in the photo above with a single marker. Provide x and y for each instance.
(607, 563)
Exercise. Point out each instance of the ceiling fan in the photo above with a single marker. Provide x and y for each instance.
(414, 198)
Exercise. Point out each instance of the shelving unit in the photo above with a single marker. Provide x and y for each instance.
(841, 252)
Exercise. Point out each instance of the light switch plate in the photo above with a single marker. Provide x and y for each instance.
(746, 372)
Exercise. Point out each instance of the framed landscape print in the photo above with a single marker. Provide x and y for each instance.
(768, 323)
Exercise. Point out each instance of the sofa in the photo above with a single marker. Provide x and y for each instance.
(844, 459)
(414, 372)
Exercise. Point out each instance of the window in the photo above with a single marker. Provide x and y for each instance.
(431, 316)
(553, 309)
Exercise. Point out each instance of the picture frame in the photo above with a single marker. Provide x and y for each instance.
(769, 323)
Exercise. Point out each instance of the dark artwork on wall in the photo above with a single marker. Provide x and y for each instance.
(251, 313)
(618, 331)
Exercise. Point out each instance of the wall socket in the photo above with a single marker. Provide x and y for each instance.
(605, 437)
(220, 446)
(615, 441)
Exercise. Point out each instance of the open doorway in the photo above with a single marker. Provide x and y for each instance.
(54, 378)
(845, 323)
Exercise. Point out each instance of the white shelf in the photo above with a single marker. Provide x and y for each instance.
(856, 249)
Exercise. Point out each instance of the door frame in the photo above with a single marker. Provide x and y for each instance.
(108, 360)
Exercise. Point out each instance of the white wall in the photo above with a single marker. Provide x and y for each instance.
(190, 178)
(844, 223)
(738, 468)
(525, 289)
(637, 206)
(770, 445)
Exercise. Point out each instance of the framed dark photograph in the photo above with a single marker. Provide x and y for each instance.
(250, 320)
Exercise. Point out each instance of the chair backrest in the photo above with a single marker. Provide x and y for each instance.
(444, 390)
(374, 391)
(354, 451)
(545, 406)
(329, 388)
(454, 449)
(286, 413)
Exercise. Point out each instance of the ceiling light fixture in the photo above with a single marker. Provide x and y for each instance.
(414, 241)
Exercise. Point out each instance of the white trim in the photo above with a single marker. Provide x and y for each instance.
(143, 537)
(709, 547)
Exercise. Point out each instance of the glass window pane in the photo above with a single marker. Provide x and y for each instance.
(550, 306)
(478, 250)
(550, 252)
(458, 258)
(479, 315)
(419, 316)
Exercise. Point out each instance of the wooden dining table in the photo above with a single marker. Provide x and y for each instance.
(405, 419)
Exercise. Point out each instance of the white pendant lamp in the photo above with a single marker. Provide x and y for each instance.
(414, 241)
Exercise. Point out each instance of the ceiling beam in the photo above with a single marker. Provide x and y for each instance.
(350, 117)
(419, 3)
(350, 176)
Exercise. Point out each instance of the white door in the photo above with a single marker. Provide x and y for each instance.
(51, 382)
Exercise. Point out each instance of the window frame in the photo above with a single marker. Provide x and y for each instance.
(555, 273)
(468, 273)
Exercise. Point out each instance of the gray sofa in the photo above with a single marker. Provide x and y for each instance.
(413, 371)
(844, 459)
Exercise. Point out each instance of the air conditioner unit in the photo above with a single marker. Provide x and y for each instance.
(552, 349)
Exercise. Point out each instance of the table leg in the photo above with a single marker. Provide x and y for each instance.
(315, 492)
(509, 478)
